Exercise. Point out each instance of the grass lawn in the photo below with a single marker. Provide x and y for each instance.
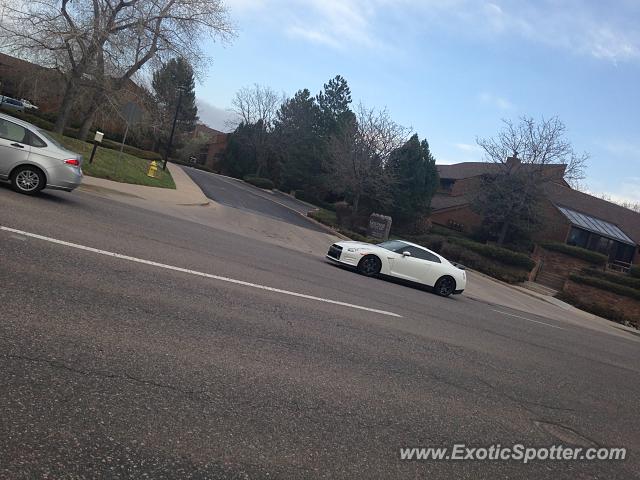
(106, 164)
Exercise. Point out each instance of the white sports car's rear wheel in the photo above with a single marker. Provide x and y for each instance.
(445, 286)
(370, 266)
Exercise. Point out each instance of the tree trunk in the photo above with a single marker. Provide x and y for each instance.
(503, 233)
(356, 201)
(68, 99)
(87, 123)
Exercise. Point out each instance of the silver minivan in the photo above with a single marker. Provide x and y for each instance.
(32, 160)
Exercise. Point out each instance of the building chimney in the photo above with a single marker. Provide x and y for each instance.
(513, 161)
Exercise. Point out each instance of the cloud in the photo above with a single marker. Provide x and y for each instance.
(468, 147)
(215, 117)
(594, 29)
(495, 101)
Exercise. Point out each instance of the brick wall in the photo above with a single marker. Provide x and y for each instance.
(555, 226)
(463, 216)
(466, 185)
(589, 295)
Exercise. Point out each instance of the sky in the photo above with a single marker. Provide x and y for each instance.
(453, 69)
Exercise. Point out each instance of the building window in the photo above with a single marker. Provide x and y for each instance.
(578, 237)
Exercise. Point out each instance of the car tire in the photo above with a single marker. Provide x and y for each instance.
(445, 286)
(28, 180)
(369, 266)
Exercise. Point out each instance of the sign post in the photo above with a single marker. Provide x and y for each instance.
(96, 140)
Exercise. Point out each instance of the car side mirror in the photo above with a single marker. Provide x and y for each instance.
(406, 254)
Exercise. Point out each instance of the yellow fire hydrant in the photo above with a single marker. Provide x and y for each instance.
(153, 169)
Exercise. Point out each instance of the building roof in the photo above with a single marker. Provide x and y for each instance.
(625, 219)
(596, 225)
(440, 201)
(458, 171)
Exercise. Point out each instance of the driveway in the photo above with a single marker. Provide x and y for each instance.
(238, 194)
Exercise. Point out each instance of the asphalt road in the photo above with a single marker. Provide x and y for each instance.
(238, 194)
(115, 367)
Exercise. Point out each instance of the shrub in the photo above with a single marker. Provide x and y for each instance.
(136, 152)
(500, 254)
(619, 278)
(27, 117)
(471, 259)
(596, 309)
(635, 271)
(324, 216)
(606, 285)
(259, 182)
(582, 253)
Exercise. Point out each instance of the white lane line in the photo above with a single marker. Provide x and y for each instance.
(529, 320)
(196, 273)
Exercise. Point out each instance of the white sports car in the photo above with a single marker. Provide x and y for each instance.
(404, 260)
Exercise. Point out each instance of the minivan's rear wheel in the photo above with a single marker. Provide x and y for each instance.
(445, 286)
(28, 180)
(370, 266)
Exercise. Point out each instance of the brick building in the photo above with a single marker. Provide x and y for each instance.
(216, 144)
(570, 216)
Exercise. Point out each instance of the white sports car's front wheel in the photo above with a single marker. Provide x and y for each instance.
(370, 266)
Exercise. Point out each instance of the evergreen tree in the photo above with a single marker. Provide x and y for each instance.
(413, 168)
(296, 133)
(172, 82)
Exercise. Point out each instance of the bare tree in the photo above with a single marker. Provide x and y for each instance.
(538, 146)
(528, 154)
(359, 152)
(257, 107)
(90, 41)
(257, 103)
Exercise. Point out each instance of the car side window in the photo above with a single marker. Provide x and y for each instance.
(422, 254)
(36, 141)
(13, 132)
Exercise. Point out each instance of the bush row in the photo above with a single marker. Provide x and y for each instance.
(577, 252)
(596, 309)
(606, 285)
(635, 271)
(71, 132)
(503, 255)
(259, 182)
(476, 261)
(619, 278)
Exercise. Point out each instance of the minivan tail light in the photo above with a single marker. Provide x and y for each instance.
(73, 161)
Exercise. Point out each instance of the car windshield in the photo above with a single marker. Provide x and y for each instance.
(49, 138)
(393, 245)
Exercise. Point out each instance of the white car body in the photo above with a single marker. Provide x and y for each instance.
(406, 261)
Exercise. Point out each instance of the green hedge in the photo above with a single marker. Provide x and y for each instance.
(619, 278)
(458, 253)
(28, 117)
(577, 252)
(259, 182)
(136, 152)
(597, 309)
(606, 285)
(494, 252)
(324, 216)
(635, 271)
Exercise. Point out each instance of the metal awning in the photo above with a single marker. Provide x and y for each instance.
(595, 225)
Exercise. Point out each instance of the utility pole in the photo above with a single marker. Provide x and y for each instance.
(173, 130)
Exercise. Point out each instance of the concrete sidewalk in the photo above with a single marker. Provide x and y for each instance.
(186, 192)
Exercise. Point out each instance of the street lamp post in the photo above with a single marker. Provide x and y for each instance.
(173, 130)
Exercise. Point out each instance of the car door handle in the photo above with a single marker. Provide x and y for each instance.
(17, 145)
